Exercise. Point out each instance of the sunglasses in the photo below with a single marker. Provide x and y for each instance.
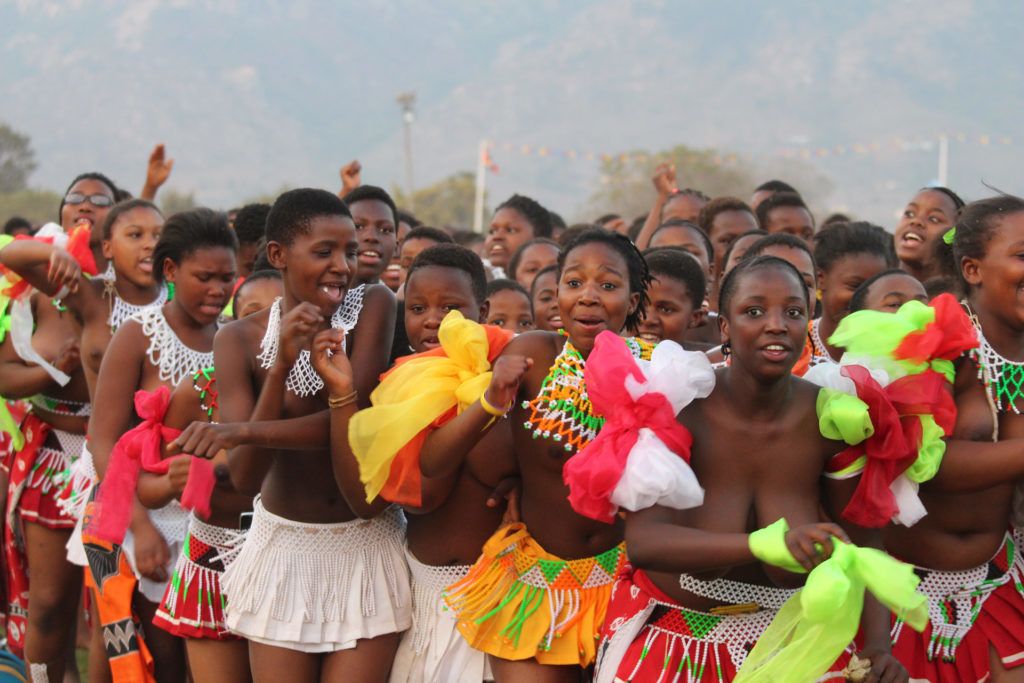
(76, 198)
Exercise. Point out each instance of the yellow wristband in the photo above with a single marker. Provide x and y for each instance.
(491, 410)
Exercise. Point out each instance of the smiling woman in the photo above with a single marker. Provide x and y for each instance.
(539, 383)
(375, 217)
(155, 349)
(925, 219)
(518, 220)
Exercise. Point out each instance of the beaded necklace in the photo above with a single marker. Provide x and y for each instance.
(166, 351)
(562, 411)
(302, 379)
(119, 309)
(819, 352)
(205, 383)
(1002, 378)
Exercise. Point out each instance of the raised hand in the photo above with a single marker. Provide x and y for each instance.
(351, 176)
(665, 179)
(297, 327)
(158, 170)
(329, 360)
(506, 376)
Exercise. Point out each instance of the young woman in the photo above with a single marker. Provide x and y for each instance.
(158, 346)
(887, 291)
(319, 593)
(530, 258)
(376, 219)
(552, 615)
(697, 595)
(516, 221)
(36, 520)
(966, 547)
(926, 218)
(846, 255)
(192, 607)
(451, 517)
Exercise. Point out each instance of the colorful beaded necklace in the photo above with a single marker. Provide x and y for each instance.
(562, 411)
(1002, 378)
(205, 383)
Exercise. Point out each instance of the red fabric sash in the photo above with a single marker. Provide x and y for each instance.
(948, 336)
(141, 447)
(596, 469)
(893, 447)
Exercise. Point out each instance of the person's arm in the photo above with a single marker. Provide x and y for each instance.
(664, 185)
(158, 170)
(351, 177)
(45, 267)
(21, 380)
(657, 543)
(119, 377)
(445, 450)
(157, 490)
(969, 466)
(369, 344)
(336, 371)
(250, 463)
(874, 619)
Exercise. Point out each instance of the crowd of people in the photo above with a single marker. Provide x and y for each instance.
(320, 441)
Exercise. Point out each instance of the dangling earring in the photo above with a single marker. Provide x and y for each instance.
(109, 278)
(726, 349)
(819, 295)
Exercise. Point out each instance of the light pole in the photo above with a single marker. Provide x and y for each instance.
(406, 100)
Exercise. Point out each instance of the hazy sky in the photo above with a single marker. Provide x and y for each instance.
(251, 96)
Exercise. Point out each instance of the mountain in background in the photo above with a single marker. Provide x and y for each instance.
(249, 97)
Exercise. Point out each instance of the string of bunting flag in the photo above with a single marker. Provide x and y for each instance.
(805, 152)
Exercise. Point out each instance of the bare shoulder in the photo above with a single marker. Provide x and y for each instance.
(537, 344)
(805, 396)
(128, 335)
(245, 330)
(378, 308)
(378, 295)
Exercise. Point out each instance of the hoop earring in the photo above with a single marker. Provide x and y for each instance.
(726, 349)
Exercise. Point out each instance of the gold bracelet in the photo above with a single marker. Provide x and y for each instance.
(341, 401)
(491, 410)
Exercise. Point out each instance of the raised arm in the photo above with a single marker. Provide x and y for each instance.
(44, 266)
(158, 170)
(664, 184)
